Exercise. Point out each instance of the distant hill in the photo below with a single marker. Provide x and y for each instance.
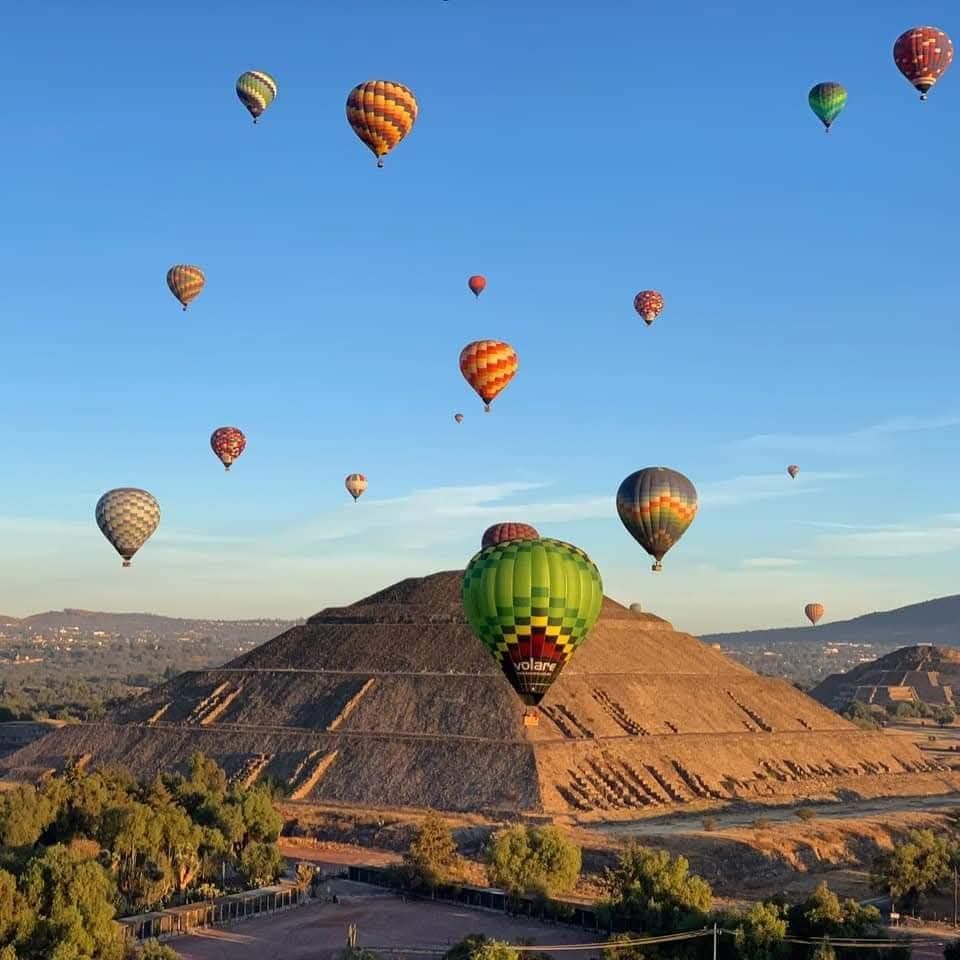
(914, 675)
(131, 624)
(935, 622)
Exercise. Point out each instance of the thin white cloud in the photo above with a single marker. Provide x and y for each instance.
(770, 563)
(763, 486)
(891, 543)
(853, 443)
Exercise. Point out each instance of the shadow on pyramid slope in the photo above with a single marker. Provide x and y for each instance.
(392, 702)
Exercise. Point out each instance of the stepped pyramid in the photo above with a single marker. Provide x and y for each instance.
(393, 703)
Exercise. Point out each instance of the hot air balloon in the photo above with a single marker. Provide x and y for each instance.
(922, 55)
(227, 443)
(127, 517)
(185, 282)
(636, 608)
(501, 532)
(826, 101)
(488, 366)
(458, 417)
(256, 91)
(656, 505)
(648, 303)
(532, 603)
(793, 470)
(477, 284)
(381, 113)
(355, 483)
(814, 612)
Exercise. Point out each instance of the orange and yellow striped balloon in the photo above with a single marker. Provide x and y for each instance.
(381, 113)
(488, 366)
(185, 282)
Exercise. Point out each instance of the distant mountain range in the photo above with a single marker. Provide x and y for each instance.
(131, 624)
(933, 621)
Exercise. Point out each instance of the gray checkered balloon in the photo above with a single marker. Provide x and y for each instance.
(127, 517)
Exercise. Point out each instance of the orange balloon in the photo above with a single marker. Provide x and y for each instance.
(488, 366)
(814, 612)
(477, 284)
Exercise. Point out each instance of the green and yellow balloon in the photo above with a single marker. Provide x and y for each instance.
(532, 603)
(826, 101)
(256, 90)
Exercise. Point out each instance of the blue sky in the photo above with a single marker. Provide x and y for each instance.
(572, 153)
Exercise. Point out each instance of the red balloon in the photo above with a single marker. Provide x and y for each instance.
(477, 284)
(648, 303)
(500, 532)
(922, 55)
(227, 443)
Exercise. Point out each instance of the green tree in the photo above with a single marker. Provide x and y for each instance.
(944, 716)
(914, 867)
(761, 932)
(260, 864)
(74, 902)
(651, 891)
(538, 860)
(155, 950)
(823, 951)
(432, 858)
(478, 946)
(823, 914)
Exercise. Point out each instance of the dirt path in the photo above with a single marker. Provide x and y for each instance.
(848, 810)
(319, 931)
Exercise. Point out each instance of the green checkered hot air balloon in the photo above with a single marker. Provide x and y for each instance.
(826, 101)
(532, 603)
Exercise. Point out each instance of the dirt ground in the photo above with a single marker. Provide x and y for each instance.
(319, 931)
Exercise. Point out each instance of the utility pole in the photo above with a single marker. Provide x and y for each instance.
(714, 941)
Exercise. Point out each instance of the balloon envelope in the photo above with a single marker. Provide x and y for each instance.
(648, 303)
(814, 612)
(381, 114)
(477, 284)
(256, 90)
(488, 366)
(532, 603)
(227, 443)
(458, 417)
(185, 282)
(127, 516)
(793, 470)
(922, 55)
(355, 483)
(657, 505)
(826, 101)
(501, 532)
(636, 608)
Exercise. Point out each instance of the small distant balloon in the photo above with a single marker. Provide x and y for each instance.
(636, 608)
(793, 470)
(501, 532)
(381, 114)
(355, 483)
(127, 517)
(826, 101)
(648, 303)
(458, 417)
(185, 282)
(922, 55)
(256, 90)
(488, 366)
(477, 284)
(227, 443)
(814, 612)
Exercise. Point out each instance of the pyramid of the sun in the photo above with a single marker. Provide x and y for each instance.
(392, 702)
